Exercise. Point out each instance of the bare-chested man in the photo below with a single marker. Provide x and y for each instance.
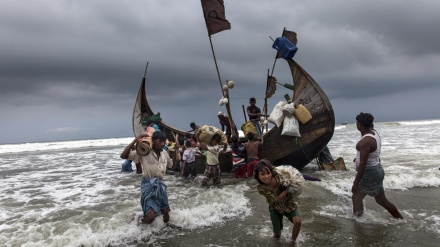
(251, 147)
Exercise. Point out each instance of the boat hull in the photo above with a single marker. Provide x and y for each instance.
(315, 134)
(279, 149)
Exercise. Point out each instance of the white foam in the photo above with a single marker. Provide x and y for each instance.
(422, 122)
(63, 145)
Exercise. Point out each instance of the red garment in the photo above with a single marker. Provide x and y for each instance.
(240, 173)
(250, 167)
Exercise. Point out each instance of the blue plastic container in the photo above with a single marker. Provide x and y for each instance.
(286, 48)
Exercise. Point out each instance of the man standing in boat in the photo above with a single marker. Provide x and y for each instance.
(154, 197)
(194, 127)
(254, 114)
(370, 174)
(224, 122)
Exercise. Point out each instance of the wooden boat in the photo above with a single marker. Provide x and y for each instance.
(315, 134)
(279, 149)
(142, 108)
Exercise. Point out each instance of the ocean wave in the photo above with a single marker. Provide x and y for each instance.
(422, 122)
(340, 127)
(47, 146)
(412, 123)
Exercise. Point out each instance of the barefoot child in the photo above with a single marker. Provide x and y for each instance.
(212, 169)
(189, 158)
(280, 201)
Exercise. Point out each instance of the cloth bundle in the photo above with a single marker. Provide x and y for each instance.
(205, 134)
(276, 116)
(291, 178)
(249, 127)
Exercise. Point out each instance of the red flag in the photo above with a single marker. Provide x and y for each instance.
(271, 86)
(214, 12)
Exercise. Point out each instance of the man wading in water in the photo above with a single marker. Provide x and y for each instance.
(154, 197)
(370, 174)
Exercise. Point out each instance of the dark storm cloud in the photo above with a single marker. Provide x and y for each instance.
(72, 69)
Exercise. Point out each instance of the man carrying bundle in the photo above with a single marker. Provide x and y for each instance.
(154, 197)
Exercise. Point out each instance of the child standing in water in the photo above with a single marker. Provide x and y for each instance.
(212, 169)
(281, 203)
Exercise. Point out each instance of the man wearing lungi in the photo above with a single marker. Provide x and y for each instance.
(154, 198)
(370, 174)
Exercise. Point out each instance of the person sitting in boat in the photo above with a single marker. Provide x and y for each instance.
(224, 122)
(254, 114)
(251, 147)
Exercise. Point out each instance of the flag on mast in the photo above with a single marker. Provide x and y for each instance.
(271, 86)
(214, 13)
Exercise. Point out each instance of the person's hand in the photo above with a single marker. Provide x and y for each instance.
(282, 195)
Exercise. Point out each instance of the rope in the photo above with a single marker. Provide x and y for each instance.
(302, 148)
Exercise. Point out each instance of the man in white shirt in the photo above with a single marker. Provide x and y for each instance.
(154, 198)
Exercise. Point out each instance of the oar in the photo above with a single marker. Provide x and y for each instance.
(244, 113)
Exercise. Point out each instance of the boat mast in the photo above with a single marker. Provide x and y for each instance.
(215, 21)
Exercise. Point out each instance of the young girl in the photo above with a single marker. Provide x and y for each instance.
(280, 201)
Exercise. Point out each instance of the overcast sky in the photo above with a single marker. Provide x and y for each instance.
(72, 69)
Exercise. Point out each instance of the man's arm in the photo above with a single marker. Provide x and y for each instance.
(203, 146)
(129, 147)
(364, 149)
(176, 152)
(248, 110)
